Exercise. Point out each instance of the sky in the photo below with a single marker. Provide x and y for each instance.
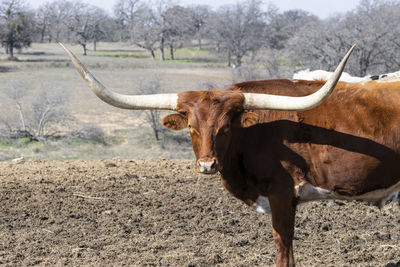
(321, 8)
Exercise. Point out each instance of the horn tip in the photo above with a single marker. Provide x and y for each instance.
(64, 47)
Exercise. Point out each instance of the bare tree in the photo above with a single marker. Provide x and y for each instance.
(162, 24)
(146, 31)
(43, 22)
(37, 118)
(140, 23)
(53, 19)
(16, 92)
(201, 17)
(98, 30)
(126, 13)
(283, 26)
(153, 117)
(85, 24)
(373, 25)
(238, 29)
(15, 24)
(178, 27)
(109, 29)
(48, 114)
(159, 11)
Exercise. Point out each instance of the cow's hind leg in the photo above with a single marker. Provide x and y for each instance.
(283, 215)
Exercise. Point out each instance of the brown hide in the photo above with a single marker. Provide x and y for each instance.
(347, 145)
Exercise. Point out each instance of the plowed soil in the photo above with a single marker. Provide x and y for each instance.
(162, 213)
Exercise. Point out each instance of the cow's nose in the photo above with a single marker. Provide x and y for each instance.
(207, 166)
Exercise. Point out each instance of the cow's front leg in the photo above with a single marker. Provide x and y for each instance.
(283, 215)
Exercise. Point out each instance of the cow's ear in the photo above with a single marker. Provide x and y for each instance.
(175, 121)
(248, 119)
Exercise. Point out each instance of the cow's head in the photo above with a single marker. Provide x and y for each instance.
(210, 115)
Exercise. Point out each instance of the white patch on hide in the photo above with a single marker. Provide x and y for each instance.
(262, 205)
(325, 75)
(307, 192)
(395, 197)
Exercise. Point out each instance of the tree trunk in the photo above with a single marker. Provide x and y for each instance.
(58, 36)
(156, 134)
(171, 51)
(162, 48)
(11, 51)
(238, 61)
(84, 49)
(229, 59)
(154, 122)
(252, 55)
(153, 56)
(42, 35)
(199, 43)
(21, 115)
(94, 45)
(42, 121)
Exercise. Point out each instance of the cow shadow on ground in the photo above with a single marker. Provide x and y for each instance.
(392, 264)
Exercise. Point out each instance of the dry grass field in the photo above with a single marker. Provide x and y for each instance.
(45, 67)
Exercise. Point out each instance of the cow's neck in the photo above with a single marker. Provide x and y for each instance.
(234, 174)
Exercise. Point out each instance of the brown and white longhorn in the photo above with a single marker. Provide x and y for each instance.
(279, 143)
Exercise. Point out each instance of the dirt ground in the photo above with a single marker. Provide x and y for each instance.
(162, 213)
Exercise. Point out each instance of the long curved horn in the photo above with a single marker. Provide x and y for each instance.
(265, 101)
(156, 101)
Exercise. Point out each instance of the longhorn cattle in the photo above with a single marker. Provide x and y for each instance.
(278, 143)
(345, 77)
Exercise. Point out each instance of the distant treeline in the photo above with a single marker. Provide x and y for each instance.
(244, 33)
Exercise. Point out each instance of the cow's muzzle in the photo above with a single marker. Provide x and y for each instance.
(207, 165)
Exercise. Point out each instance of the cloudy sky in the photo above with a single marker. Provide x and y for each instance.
(321, 8)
